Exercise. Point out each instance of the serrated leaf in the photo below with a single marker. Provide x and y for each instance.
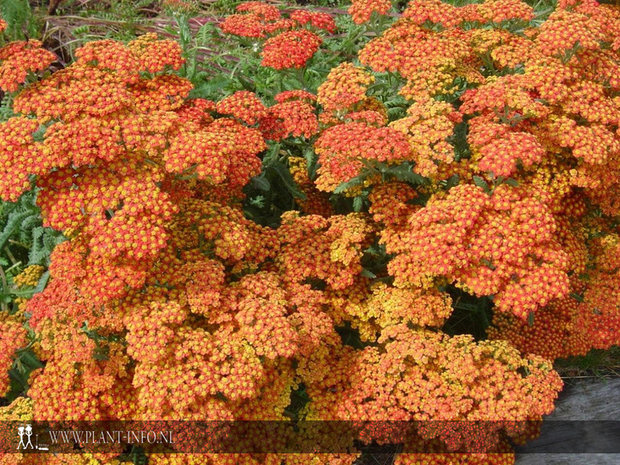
(512, 182)
(13, 222)
(261, 183)
(478, 181)
(404, 172)
(356, 181)
(29, 359)
(368, 274)
(311, 162)
(246, 83)
(358, 204)
(286, 177)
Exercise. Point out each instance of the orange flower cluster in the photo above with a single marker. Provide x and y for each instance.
(500, 245)
(18, 59)
(424, 375)
(494, 171)
(29, 277)
(13, 338)
(345, 86)
(316, 248)
(293, 115)
(523, 119)
(361, 10)
(290, 49)
(587, 319)
(428, 126)
(298, 118)
(107, 164)
(343, 148)
(243, 105)
(317, 19)
(382, 306)
(293, 43)
(316, 202)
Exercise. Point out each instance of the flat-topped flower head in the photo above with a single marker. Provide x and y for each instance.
(290, 49)
(18, 59)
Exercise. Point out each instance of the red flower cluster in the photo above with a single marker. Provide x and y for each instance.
(13, 338)
(362, 10)
(343, 148)
(315, 18)
(290, 49)
(494, 171)
(292, 45)
(500, 245)
(525, 125)
(17, 59)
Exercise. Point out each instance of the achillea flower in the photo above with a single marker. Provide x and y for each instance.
(435, 11)
(295, 95)
(497, 11)
(571, 326)
(167, 302)
(263, 10)
(72, 92)
(283, 24)
(210, 153)
(164, 92)
(17, 59)
(429, 61)
(29, 276)
(388, 306)
(243, 105)
(290, 49)
(342, 150)
(111, 55)
(345, 86)
(315, 18)
(427, 128)
(369, 117)
(502, 154)
(243, 25)
(565, 30)
(13, 338)
(362, 10)
(21, 155)
(320, 248)
(298, 118)
(502, 245)
(424, 375)
(155, 55)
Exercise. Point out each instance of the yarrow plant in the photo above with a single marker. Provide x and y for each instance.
(470, 151)
(19, 59)
(495, 137)
(290, 41)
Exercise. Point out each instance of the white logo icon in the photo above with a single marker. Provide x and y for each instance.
(25, 439)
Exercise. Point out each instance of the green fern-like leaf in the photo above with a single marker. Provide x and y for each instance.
(14, 220)
(19, 18)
